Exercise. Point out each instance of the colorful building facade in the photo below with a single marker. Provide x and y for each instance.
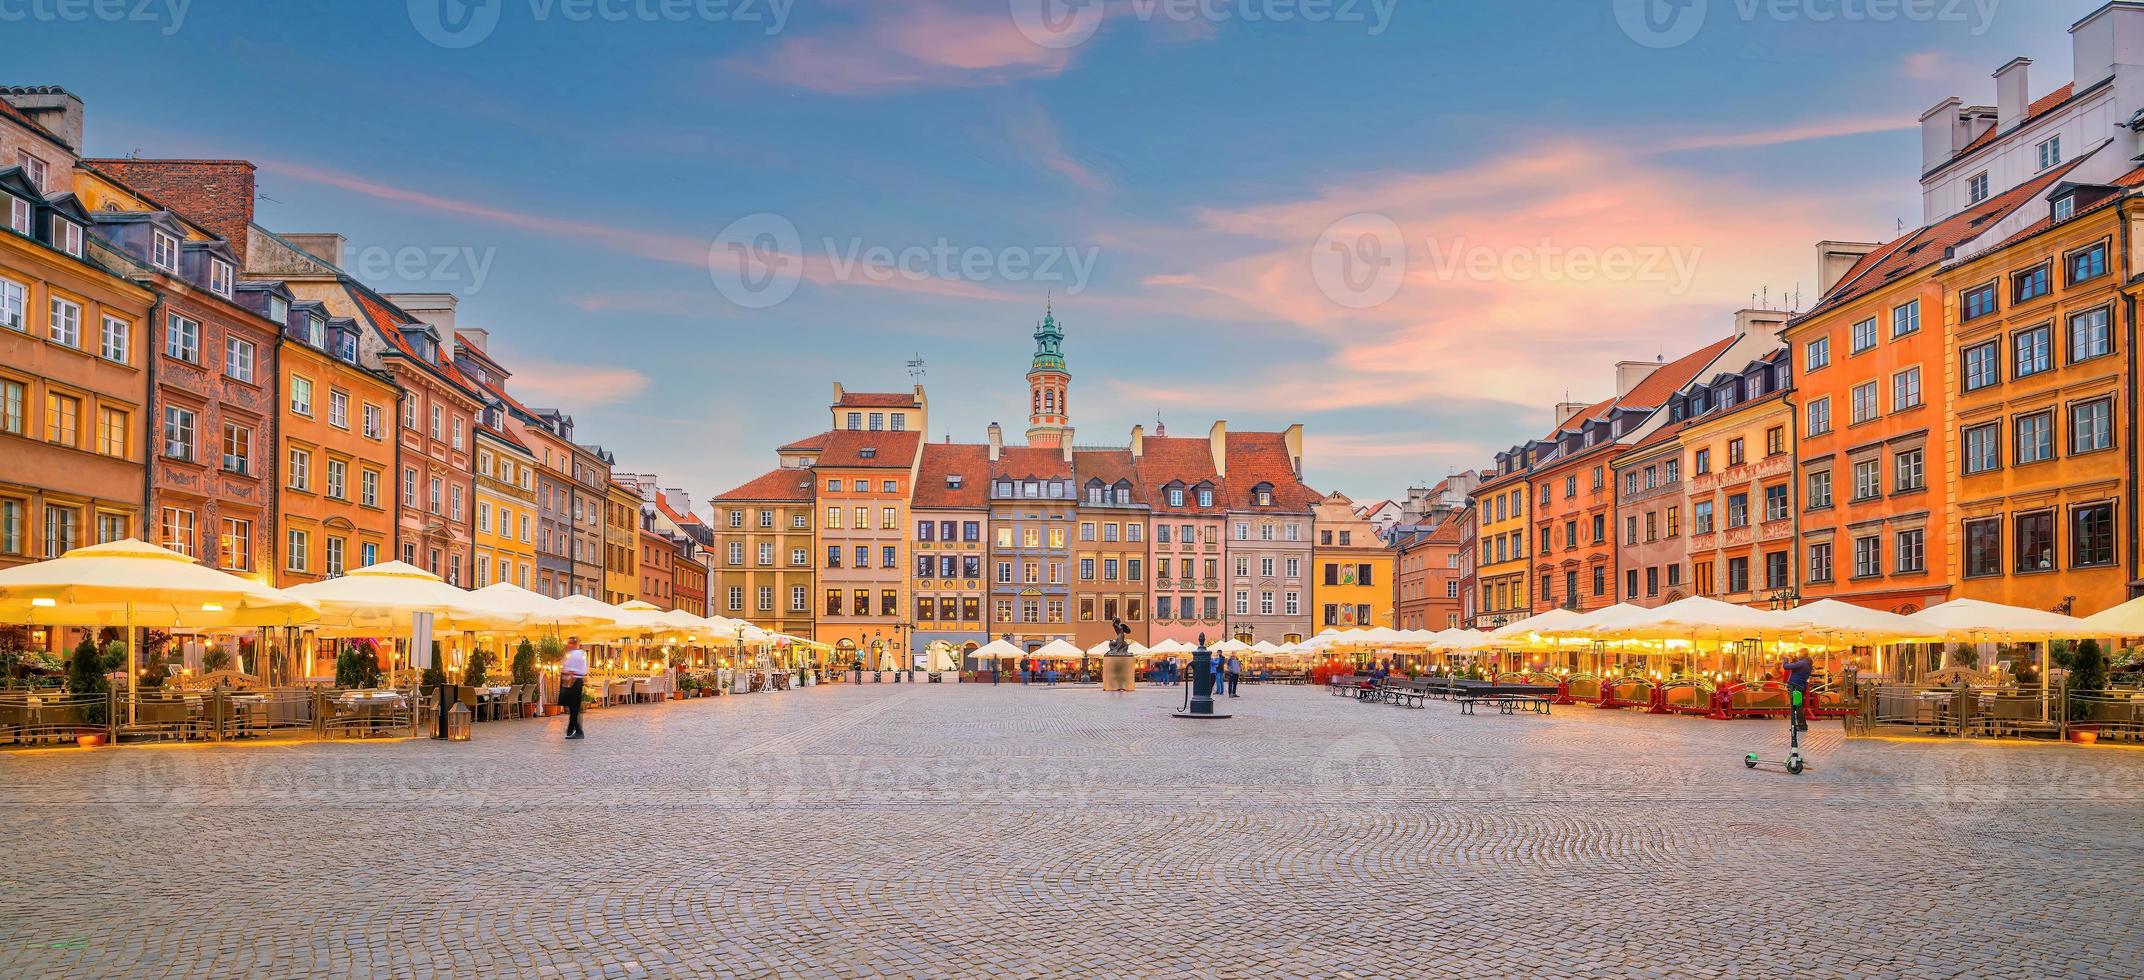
(1354, 585)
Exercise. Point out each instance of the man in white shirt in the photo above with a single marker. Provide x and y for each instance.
(572, 678)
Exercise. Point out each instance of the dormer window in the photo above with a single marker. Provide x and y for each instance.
(18, 213)
(34, 169)
(2065, 206)
(316, 331)
(952, 481)
(867, 453)
(67, 236)
(164, 252)
(219, 277)
(278, 308)
(1176, 496)
(1205, 496)
(346, 347)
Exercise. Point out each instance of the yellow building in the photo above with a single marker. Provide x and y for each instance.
(1500, 570)
(763, 563)
(1352, 586)
(2039, 362)
(621, 543)
(505, 507)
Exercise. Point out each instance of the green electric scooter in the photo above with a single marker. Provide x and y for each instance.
(1793, 763)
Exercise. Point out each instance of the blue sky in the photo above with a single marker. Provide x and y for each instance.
(1564, 196)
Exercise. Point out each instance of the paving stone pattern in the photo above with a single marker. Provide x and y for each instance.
(935, 830)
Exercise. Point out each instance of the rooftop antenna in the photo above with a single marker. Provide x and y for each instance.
(915, 368)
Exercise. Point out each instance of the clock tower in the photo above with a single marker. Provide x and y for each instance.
(1047, 380)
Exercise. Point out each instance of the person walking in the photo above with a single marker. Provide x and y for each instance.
(1235, 673)
(572, 680)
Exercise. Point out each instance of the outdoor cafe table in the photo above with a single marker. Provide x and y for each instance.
(371, 706)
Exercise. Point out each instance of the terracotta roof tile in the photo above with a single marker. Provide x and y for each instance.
(1262, 457)
(888, 450)
(1669, 378)
(1928, 246)
(1180, 459)
(875, 399)
(789, 485)
(970, 462)
(388, 325)
(807, 444)
(1024, 461)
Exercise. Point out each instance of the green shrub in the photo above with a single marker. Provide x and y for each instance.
(215, 660)
(356, 667)
(155, 673)
(550, 650)
(2088, 674)
(85, 675)
(477, 670)
(435, 675)
(114, 655)
(524, 666)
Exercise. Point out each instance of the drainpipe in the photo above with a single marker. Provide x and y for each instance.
(150, 425)
(2129, 391)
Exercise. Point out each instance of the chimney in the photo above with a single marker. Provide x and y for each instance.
(1629, 373)
(436, 309)
(1565, 410)
(1217, 443)
(997, 440)
(837, 393)
(51, 107)
(1771, 322)
(1939, 134)
(1138, 442)
(215, 194)
(326, 246)
(2012, 95)
(1835, 259)
(1293, 438)
(2104, 42)
(1065, 443)
(477, 338)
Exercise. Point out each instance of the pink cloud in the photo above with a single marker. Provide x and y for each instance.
(909, 45)
(1505, 293)
(575, 386)
(1036, 134)
(1818, 129)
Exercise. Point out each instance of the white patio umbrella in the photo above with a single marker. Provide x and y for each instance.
(385, 598)
(998, 650)
(134, 583)
(1266, 646)
(1526, 631)
(1683, 618)
(538, 610)
(1168, 646)
(2126, 619)
(1059, 650)
(1844, 620)
(1231, 645)
(1135, 647)
(1976, 619)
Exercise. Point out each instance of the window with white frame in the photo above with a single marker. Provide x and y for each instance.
(117, 339)
(164, 251)
(12, 296)
(2051, 152)
(65, 325)
(219, 278)
(1865, 407)
(1906, 389)
(1864, 335)
(182, 338)
(1976, 188)
(238, 359)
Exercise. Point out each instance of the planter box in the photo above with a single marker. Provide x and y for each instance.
(2083, 736)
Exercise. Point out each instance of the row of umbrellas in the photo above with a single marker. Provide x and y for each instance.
(133, 583)
(1968, 620)
(1064, 650)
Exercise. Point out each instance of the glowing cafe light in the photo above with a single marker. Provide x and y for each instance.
(212, 607)
(44, 602)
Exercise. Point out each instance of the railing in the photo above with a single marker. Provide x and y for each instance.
(50, 714)
(1980, 710)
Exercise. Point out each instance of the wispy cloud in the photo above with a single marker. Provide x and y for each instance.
(1816, 129)
(1929, 66)
(902, 46)
(1036, 134)
(577, 385)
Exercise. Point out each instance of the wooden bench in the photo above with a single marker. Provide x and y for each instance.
(1505, 703)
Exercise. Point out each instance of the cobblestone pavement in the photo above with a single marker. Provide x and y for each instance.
(934, 830)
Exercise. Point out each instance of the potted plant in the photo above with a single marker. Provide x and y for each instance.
(85, 676)
(477, 671)
(2088, 675)
(215, 660)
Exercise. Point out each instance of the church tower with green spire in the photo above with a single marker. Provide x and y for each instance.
(1049, 414)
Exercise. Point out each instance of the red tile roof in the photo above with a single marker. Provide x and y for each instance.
(875, 399)
(943, 459)
(1108, 466)
(1262, 457)
(388, 324)
(503, 436)
(807, 444)
(790, 485)
(1025, 461)
(1928, 246)
(1669, 378)
(866, 449)
(1573, 423)
(1658, 436)
(2133, 178)
(1179, 459)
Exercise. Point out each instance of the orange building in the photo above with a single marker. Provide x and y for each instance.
(342, 516)
(2041, 359)
(658, 556)
(1739, 493)
(1875, 529)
